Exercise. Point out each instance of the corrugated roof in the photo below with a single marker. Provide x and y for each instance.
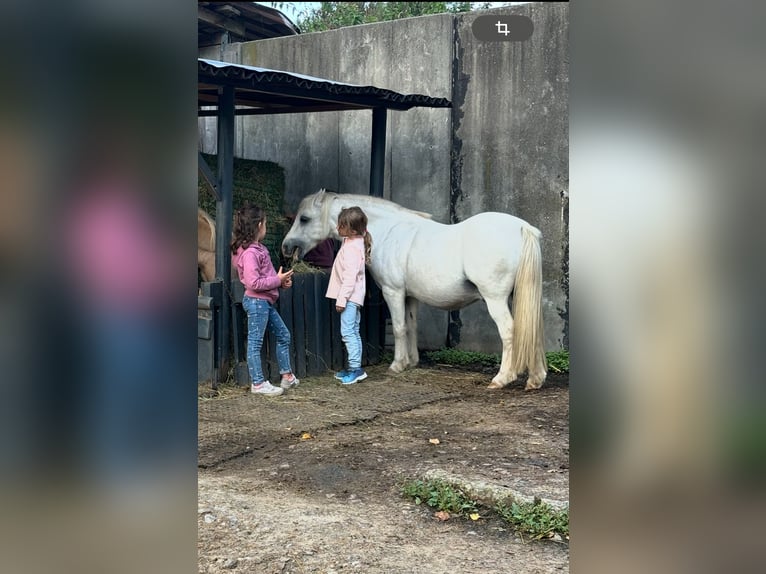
(266, 91)
(224, 22)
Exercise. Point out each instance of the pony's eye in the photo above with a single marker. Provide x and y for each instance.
(304, 219)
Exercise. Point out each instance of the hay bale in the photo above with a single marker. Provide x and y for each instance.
(258, 182)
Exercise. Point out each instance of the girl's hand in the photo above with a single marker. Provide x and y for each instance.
(339, 309)
(287, 283)
(284, 275)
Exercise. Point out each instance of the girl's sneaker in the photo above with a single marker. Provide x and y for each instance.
(289, 381)
(340, 374)
(353, 376)
(265, 388)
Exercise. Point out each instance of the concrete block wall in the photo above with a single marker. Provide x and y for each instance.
(503, 146)
(511, 144)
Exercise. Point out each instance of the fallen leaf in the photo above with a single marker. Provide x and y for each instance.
(306, 436)
(474, 516)
(434, 440)
(442, 515)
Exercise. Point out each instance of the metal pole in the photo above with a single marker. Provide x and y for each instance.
(224, 214)
(378, 153)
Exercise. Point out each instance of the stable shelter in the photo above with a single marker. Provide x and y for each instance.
(226, 90)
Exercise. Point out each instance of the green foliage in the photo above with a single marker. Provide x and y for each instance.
(440, 495)
(333, 15)
(558, 361)
(258, 182)
(536, 519)
(463, 358)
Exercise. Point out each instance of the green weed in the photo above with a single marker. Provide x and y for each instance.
(536, 519)
(439, 495)
(463, 358)
(558, 361)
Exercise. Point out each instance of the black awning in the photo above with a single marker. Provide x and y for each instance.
(266, 91)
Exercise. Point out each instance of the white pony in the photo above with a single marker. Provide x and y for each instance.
(414, 258)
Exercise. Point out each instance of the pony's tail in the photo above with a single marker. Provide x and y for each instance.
(528, 345)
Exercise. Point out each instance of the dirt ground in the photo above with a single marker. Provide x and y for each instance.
(310, 481)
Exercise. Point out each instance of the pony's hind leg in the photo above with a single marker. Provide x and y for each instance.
(395, 301)
(411, 322)
(536, 378)
(498, 310)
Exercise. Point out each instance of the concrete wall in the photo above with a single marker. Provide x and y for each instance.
(503, 147)
(511, 144)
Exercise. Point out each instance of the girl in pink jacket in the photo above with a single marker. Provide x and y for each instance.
(347, 286)
(251, 259)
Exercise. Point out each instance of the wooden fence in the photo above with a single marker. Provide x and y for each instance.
(315, 328)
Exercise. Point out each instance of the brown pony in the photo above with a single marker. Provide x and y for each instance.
(205, 245)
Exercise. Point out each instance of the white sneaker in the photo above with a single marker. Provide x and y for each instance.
(289, 381)
(265, 388)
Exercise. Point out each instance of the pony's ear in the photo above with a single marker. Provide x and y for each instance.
(319, 197)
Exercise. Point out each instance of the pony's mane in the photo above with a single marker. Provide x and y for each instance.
(365, 199)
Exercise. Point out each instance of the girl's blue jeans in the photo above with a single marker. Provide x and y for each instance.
(262, 314)
(349, 332)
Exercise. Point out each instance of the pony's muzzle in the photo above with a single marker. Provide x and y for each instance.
(291, 249)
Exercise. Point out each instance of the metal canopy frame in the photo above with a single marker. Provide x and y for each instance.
(226, 90)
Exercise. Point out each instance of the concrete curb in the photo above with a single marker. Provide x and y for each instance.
(488, 493)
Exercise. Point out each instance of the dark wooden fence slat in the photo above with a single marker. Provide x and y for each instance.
(312, 325)
(298, 327)
(324, 322)
(338, 349)
(285, 307)
(321, 321)
(270, 346)
(375, 324)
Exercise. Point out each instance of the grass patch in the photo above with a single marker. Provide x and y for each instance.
(463, 358)
(258, 182)
(558, 361)
(537, 520)
(439, 495)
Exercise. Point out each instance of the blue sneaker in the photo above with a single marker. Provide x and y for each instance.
(353, 376)
(340, 374)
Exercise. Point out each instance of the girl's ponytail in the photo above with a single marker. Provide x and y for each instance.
(367, 246)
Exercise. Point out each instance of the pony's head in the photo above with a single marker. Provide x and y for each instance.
(312, 224)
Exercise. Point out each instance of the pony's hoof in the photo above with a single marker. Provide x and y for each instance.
(533, 385)
(495, 385)
(396, 368)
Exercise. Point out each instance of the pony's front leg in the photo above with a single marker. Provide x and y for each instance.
(395, 301)
(498, 310)
(411, 322)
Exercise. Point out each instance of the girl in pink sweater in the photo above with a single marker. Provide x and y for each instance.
(347, 286)
(251, 259)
